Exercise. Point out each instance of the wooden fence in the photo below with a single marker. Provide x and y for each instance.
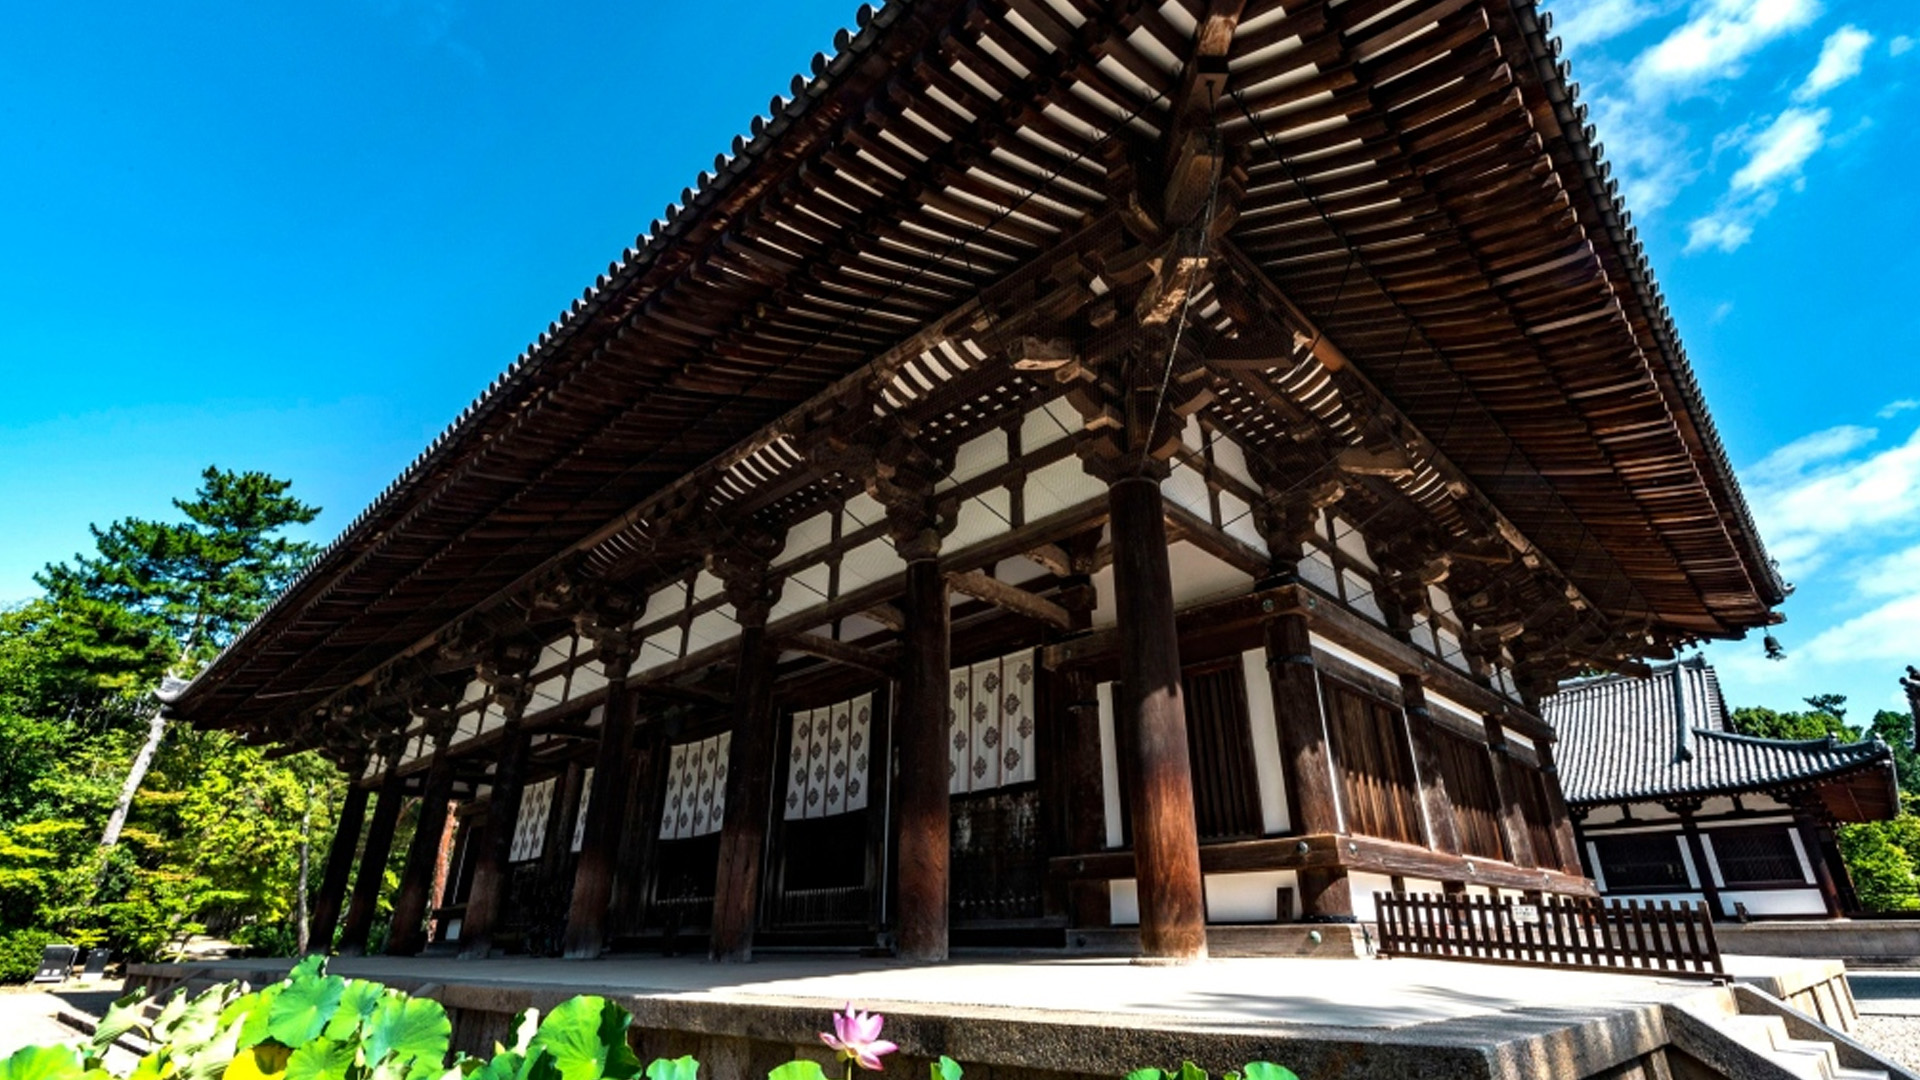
(1577, 933)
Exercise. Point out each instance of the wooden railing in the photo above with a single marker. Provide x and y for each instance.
(1577, 933)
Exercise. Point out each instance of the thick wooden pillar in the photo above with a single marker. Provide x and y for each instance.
(922, 820)
(1166, 839)
(494, 844)
(1513, 820)
(333, 880)
(588, 916)
(373, 862)
(1697, 854)
(1831, 894)
(408, 933)
(1313, 798)
(1313, 802)
(743, 832)
(1435, 804)
(1563, 837)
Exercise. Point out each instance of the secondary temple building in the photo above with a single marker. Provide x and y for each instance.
(1071, 466)
(1669, 803)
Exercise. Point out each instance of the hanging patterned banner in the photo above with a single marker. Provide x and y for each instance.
(990, 721)
(530, 825)
(580, 816)
(696, 788)
(827, 767)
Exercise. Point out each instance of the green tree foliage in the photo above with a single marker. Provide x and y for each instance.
(1825, 716)
(1882, 857)
(199, 582)
(212, 831)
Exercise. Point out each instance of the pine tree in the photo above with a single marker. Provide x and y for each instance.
(177, 590)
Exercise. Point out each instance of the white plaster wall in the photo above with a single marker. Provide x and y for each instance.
(1123, 902)
(1250, 897)
(1199, 576)
(1269, 773)
(1363, 885)
(1775, 901)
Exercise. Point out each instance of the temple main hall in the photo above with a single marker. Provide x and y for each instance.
(1071, 475)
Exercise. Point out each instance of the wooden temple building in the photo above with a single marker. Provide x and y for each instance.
(1071, 465)
(1670, 803)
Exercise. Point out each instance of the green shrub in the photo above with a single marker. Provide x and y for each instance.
(20, 952)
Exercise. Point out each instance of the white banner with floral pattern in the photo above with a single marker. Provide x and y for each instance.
(696, 788)
(990, 720)
(530, 825)
(827, 768)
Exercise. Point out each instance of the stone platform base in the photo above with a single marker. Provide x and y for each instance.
(1859, 942)
(1019, 1018)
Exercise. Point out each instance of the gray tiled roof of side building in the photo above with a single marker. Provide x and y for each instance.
(1622, 737)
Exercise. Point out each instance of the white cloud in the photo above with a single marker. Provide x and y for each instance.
(1588, 22)
(1775, 157)
(1787, 463)
(1894, 408)
(1893, 574)
(1778, 152)
(1815, 501)
(1840, 58)
(1715, 42)
(1899, 45)
(1887, 632)
(1718, 230)
(1648, 152)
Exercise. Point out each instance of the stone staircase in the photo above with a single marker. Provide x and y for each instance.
(1747, 1034)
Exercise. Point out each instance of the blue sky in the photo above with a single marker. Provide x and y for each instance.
(302, 238)
(1762, 149)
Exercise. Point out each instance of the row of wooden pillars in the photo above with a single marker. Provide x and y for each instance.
(1148, 708)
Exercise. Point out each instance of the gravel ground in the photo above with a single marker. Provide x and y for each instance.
(1889, 1003)
(1894, 1037)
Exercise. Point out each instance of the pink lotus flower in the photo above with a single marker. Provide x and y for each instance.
(856, 1035)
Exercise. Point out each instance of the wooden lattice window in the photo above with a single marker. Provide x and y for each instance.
(1226, 796)
(1537, 806)
(1757, 855)
(1643, 862)
(1470, 788)
(1376, 764)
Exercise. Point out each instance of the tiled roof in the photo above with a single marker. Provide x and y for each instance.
(1624, 737)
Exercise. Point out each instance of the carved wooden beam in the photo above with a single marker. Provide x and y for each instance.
(1054, 558)
(840, 652)
(977, 584)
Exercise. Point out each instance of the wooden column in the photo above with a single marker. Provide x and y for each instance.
(922, 813)
(1562, 823)
(1513, 820)
(333, 880)
(1810, 839)
(743, 832)
(373, 862)
(1697, 853)
(1435, 805)
(494, 844)
(588, 917)
(1313, 799)
(408, 932)
(1166, 840)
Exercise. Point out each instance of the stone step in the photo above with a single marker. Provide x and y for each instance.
(1808, 1058)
